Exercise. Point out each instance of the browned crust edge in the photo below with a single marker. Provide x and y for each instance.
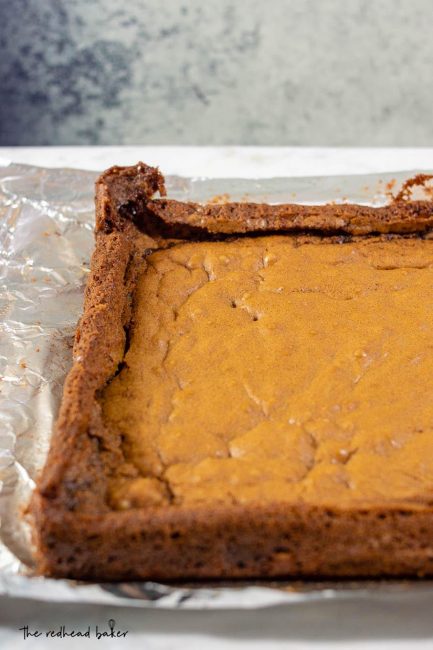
(76, 534)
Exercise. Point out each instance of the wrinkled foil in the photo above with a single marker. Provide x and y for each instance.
(46, 239)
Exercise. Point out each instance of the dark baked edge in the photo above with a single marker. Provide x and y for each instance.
(78, 536)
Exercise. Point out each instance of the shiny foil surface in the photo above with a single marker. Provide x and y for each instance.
(46, 239)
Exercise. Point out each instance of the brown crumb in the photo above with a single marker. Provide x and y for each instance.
(220, 198)
(389, 187)
(417, 181)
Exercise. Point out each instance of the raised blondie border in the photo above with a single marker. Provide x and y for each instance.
(76, 533)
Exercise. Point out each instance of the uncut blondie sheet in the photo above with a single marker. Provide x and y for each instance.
(87, 231)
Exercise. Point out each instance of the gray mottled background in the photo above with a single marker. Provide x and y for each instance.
(300, 72)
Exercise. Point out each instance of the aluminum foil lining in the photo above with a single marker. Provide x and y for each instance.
(46, 239)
